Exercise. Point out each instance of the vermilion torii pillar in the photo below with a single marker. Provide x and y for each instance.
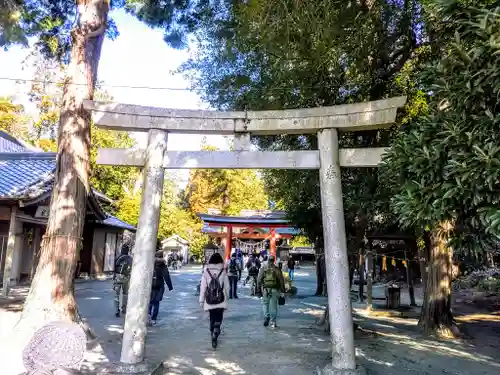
(326, 122)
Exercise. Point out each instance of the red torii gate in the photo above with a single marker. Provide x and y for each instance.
(273, 220)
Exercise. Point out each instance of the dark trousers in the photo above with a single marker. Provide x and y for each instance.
(216, 316)
(154, 307)
(233, 284)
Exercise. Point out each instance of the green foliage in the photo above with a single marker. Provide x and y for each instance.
(110, 180)
(489, 284)
(51, 22)
(289, 54)
(174, 219)
(230, 190)
(446, 166)
(12, 119)
(300, 241)
(129, 207)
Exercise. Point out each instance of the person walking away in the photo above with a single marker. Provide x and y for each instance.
(214, 291)
(291, 268)
(272, 284)
(234, 274)
(253, 266)
(161, 276)
(121, 279)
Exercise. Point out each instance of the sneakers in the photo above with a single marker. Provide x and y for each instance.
(117, 314)
(273, 325)
(214, 340)
(266, 322)
(215, 335)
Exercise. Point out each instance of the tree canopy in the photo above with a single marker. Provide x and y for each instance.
(230, 190)
(446, 166)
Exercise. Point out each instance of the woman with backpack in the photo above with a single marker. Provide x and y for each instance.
(214, 292)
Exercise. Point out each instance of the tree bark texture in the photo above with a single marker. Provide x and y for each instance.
(436, 313)
(422, 260)
(51, 296)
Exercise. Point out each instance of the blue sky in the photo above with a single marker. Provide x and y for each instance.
(138, 57)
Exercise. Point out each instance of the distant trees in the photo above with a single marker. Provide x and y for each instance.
(12, 118)
(230, 190)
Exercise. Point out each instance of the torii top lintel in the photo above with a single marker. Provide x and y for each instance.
(345, 117)
(245, 221)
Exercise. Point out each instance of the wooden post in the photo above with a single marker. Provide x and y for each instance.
(409, 279)
(272, 243)
(229, 241)
(361, 272)
(10, 251)
(369, 280)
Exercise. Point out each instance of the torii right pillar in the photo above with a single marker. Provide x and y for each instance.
(337, 264)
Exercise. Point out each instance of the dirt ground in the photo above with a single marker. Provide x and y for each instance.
(385, 344)
(389, 344)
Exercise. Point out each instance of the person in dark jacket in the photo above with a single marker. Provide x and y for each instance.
(121, 279)
(161, 276)
(291, 268)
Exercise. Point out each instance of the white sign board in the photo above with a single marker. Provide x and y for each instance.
(42, 212)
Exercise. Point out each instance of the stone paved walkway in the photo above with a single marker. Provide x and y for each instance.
(181, 337)
(384, 346)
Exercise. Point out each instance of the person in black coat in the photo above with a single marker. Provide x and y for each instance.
(161, 276)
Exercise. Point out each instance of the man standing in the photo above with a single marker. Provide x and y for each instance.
(121, 279)
(234, 274)
(291, 268)
(271, 281)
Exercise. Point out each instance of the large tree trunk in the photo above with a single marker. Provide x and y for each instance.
(51, 296)
(436, 316)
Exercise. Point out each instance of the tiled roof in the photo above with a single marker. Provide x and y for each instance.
(10, 144)
(260, 219)
(25, 175)
(112, 221)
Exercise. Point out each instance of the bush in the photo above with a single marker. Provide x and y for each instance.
(489, 284)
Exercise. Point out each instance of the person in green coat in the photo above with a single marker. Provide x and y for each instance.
(272, 284)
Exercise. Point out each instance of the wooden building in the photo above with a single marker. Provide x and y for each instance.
(26, 180)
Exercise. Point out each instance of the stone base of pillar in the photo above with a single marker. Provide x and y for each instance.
(329, 370)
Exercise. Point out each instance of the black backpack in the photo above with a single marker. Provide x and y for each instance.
(215, 292)
(122, 266)
(233, 268)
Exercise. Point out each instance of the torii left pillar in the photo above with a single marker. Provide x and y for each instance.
(228, 243)
(134, 332)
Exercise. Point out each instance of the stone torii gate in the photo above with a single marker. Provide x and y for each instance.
(325, 121)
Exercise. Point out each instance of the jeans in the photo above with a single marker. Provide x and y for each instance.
(216, 316)
(154, 307)
(291, 273)
(270, 303)
(233, 284)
